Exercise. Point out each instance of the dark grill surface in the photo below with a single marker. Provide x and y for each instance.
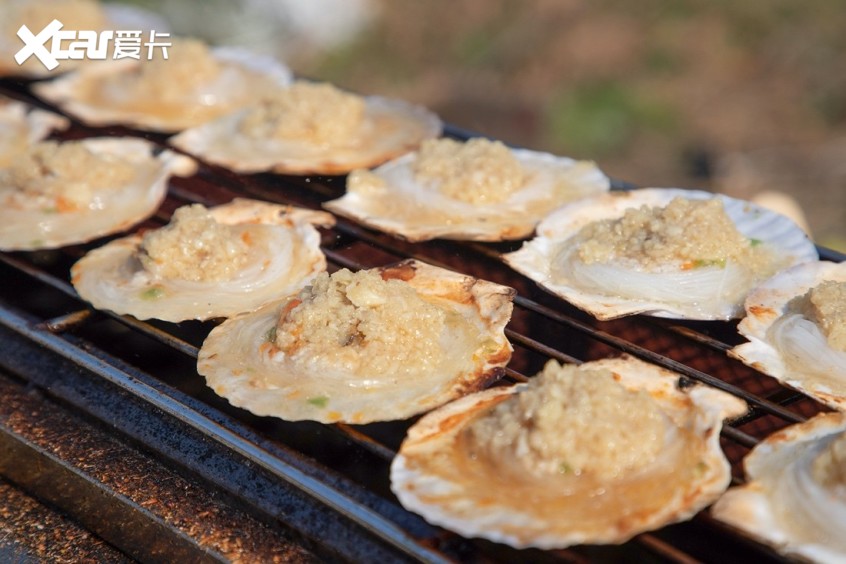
(105, 422)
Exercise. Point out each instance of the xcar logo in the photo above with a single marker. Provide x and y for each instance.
(84, 44)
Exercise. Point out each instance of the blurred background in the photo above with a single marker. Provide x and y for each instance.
(745, 97)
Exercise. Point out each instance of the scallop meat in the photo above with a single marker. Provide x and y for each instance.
(665, 252)
(476, 190)
(794, 499)
(206, 263)
(593, 454)
(58, 194)
(373, 345)
(795, 326)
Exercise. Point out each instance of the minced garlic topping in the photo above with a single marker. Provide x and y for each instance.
(362, 181)
(696, 233)
(362, 323)
(193, 246)
(315, 113)
(829, 468)
(478, 171)
(825, 305)
(572, 421)
(66, 175)
(190, 65)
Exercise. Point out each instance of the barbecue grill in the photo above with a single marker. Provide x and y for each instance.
(113, 449)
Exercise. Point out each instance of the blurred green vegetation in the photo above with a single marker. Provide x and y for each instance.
(601, 118)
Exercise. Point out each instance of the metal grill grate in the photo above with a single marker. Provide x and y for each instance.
(322, 487)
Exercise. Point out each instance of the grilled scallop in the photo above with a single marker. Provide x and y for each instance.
(594, 454)
(59, 194)
(21, 126)
(376, 345)
(206, 263)
(311, 128)
(796, 326)
(664, 252)
(795, 499)
(193, 85)
(479, 190)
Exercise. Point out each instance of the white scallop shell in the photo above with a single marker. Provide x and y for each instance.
(781, 504)
(434, 478)
(389, 128)
(21, 125)
(242, 365)
(24, 227)
(284, 256)
(245, 77)
(819, 372)
(419, 211)
(538, 259)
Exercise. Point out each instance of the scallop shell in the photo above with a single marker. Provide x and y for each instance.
(433, 477)
(116, 209)
(245, 77)
(390, 128)
(417, 212)
(782, 505)
(284, 256)
(767, 305)
(537, 258)
(240, 364)
(22, 125)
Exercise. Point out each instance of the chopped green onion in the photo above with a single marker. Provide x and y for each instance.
(270, 336)
(702, 263)
(153, 293)
(319, 401)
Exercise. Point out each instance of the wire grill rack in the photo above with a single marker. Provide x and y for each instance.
(294, 491)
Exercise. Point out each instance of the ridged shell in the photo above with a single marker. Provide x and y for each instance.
(768, 304)
(781, 504)
(389, 128)
(116, 209)
(245, 77)
(434, 478)
(242, 365)
(22, 125)
(417, 212)
(537, 258)
(284, 256)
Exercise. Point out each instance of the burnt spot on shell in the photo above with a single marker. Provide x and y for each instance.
(761, 311)
(404, 271)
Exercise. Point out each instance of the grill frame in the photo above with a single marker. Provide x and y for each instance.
(282, 474)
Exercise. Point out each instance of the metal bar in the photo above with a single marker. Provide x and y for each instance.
(539, 347)
(665, 550)
(695, 336)
(67, 322)
(157, 334)
(367, 442)
(738, 436)
(39, 275)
